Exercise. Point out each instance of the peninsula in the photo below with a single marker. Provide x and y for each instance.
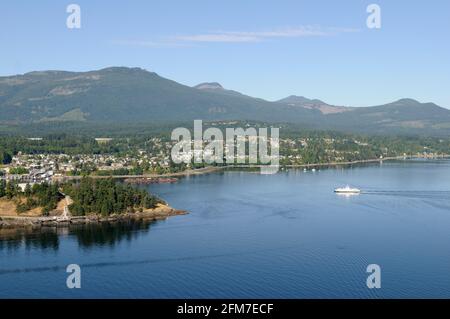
(88, 201)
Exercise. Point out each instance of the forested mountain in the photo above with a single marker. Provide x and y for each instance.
(120, 95)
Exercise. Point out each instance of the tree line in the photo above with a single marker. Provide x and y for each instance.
(106, 197)
(103, 197)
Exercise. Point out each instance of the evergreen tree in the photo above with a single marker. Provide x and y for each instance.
(2, 188)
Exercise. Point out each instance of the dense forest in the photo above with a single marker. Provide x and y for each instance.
(5, 157)
(57, 144)
(105, 197)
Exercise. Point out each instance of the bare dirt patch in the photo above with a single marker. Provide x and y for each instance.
(8, 209)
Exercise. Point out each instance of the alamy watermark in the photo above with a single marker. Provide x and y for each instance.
(374, 19)
(74, 279)
(238, 146)
(73, 21)
(374, 279)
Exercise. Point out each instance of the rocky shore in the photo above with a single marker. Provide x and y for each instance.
(161, 212)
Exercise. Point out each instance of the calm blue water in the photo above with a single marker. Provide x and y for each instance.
(257, 236)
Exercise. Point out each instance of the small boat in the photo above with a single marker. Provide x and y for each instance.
(347, 190)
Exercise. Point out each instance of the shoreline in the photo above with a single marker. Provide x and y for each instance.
(190, 172)
(392, 158)
(161, 212)
(213, 169)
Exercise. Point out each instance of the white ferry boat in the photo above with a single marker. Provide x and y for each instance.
(347, 190)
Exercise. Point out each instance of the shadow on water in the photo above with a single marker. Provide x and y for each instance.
(45, 238)
(87, 236)
(142, 261)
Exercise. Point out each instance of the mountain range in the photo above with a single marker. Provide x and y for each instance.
(130, 95)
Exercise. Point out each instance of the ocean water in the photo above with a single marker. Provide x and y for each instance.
(256, 236)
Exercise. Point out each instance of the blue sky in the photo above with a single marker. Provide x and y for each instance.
(269, 49)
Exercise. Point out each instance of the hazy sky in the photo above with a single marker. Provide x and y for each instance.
(269, 49)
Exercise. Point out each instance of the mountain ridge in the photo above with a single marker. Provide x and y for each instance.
(122, 94)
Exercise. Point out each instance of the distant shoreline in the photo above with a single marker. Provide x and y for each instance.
(200, 171)
(393, 158)
(213, 169)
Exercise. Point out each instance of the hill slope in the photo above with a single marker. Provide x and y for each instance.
(324, 108)
(124, 95)
(402, 116)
